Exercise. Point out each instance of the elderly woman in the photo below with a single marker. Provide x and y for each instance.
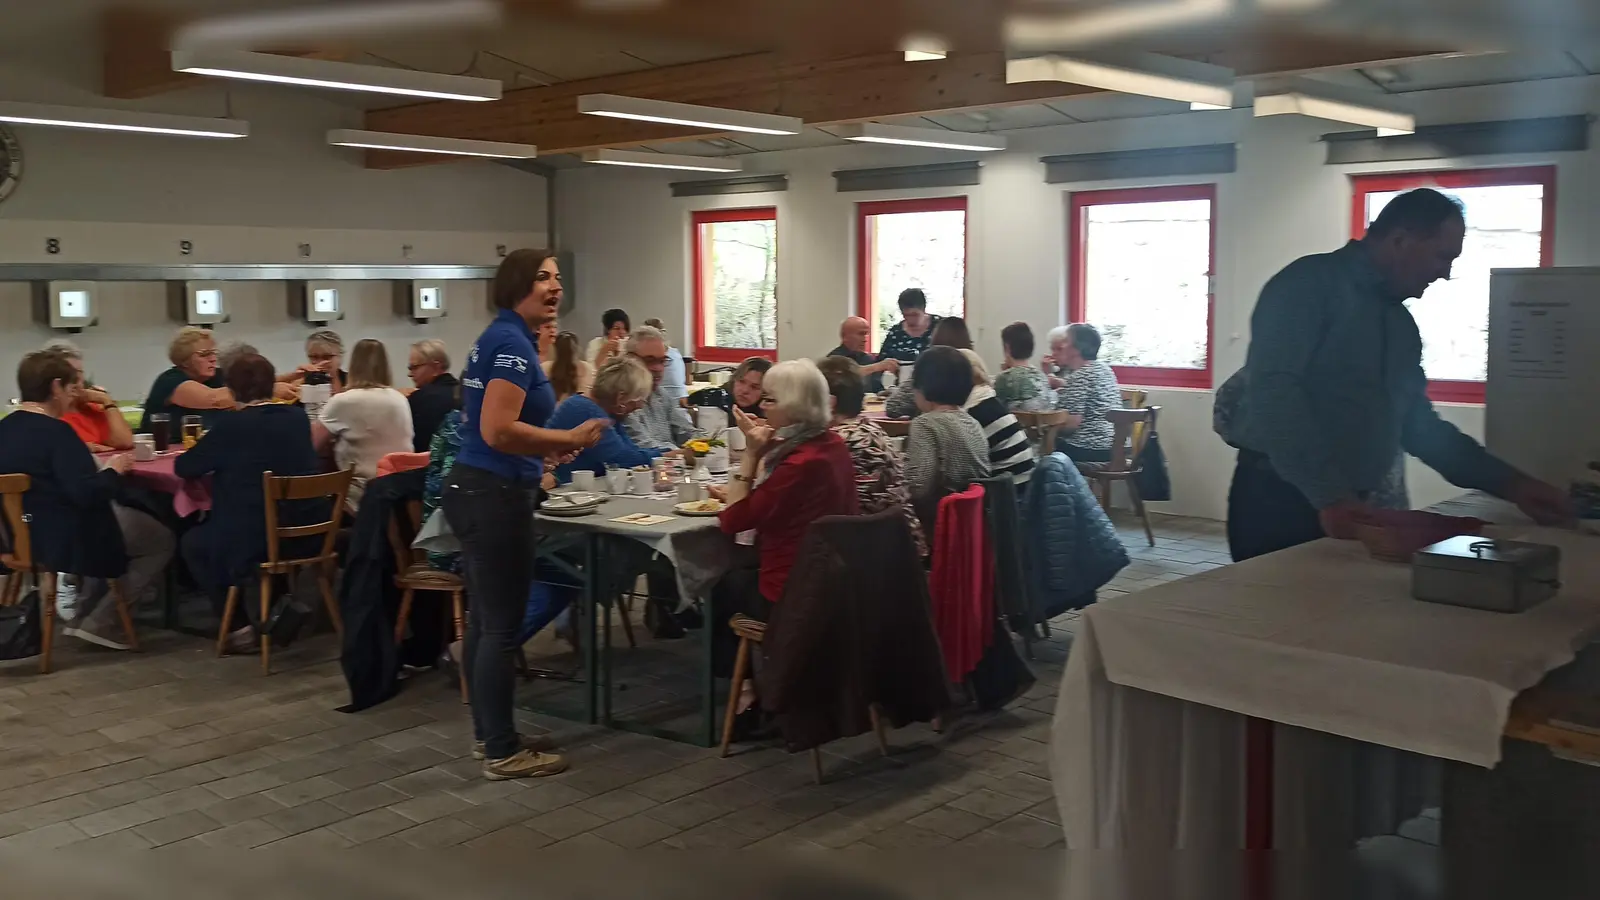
(1021, 385)
(911, 335)
(1010, 453)
(743, 390)
(366, 422)
(880, 468)
(902, 402)
(94, 417)
(946, 450)
(321, 371)
(1087, 390)
(805, 473)
(619, 390)
(192, 387)
(437, 392)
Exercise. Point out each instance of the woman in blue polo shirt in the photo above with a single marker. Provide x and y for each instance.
(490, 497)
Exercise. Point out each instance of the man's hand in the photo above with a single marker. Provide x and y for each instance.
(1543, 503)
(1339, 521)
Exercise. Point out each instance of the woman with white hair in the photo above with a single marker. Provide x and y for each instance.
(619, 389)
(1009, 451)
(795, 470)
(1087, 390)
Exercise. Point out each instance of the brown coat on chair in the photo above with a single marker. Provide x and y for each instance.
(852, 631)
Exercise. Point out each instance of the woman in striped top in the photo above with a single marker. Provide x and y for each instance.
(1010, 453)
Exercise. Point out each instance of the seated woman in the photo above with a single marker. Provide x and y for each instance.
(1010, 453)
(880, 468)
(946, 450)
(95, 416)
(950, 332)
(1021, 385)
(192, 387)
(75, 527)
(743, 390)
(1087, 390)
(321, 371)
(805, 473)
(261, 437)
(619, 390)
(366, 422)
(567, 373)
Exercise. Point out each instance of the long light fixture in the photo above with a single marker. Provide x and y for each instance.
(924, 47)
(1299, 96)
(644, 160)
(360, 19)
(423, 143)
(618, 107)
(343, 76)
(121, 120)
(874, 133)
(1146, 74)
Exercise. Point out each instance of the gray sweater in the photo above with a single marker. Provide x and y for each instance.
(1333, 387)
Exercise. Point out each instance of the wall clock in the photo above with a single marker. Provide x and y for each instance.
(10, 163)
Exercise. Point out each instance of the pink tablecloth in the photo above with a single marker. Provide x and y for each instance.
(188, 497)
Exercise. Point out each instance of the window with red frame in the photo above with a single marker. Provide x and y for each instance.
(1141, 266)
(735, 275)
(910, 244)
(1510, 220)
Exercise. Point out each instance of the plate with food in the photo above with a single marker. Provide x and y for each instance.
(706, 507)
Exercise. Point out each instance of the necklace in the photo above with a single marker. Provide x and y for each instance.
(30, 406)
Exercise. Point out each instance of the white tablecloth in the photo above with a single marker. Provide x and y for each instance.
(1148, 729)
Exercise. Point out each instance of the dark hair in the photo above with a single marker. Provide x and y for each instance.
(40, 370)
(913, 298)
(1018, 340)
(251, 378)
(844, 383)
(943, 376)
(514, 280)
(1421, 212)
(611, 317)
(1086, 338)
(752, 364)
(951, 332)
(564, 367)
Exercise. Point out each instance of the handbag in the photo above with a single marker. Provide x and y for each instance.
(21, 635)
(1152, 480)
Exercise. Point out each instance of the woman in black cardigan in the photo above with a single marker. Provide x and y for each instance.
(261, 437)
(76, 529)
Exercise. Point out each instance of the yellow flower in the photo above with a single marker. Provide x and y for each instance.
(700, 446)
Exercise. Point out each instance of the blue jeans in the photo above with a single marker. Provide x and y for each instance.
(548, 598)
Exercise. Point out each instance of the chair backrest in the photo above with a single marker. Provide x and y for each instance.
(16, 542)
(1131, 431)
(279, 488)
(1042, 427)
(1133, 398)
(403, 528)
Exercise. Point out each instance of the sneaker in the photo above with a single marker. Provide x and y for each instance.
(243, 641)
(66, 597)
(86, 632)
(523, 764)
(538, 743)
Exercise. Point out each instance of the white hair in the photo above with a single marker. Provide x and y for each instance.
(1058, 333)
(622, 380)
(980, 372)
(798, 388)
(433, 350)
(644, 333)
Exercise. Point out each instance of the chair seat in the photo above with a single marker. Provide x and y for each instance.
(1098, 470)
(421, 577)
(746, 627)
(288, 565)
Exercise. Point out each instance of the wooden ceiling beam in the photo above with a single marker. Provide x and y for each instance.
(137, 57)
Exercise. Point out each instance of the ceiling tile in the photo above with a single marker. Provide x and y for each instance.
(1101, 107)
(1497, 68)
(1589, 57)
(999, 118)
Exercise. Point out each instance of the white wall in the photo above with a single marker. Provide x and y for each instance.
(632, 238)
(126, 198)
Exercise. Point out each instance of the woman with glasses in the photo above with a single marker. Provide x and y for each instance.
(192, 387)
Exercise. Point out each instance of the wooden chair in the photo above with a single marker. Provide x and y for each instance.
(281, 488)
(1131, 432)
(750, 631)
(895, 428)
(18, 558)
(413, 574)
(1133, 398)
(1042, 428)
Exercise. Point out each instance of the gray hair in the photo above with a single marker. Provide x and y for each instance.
(231, 354)
(65, 348)
(1081, 335)
(433, 350)
(326, 337)
(621, 380)
(980, 372)
(798, 388)
(644, 333)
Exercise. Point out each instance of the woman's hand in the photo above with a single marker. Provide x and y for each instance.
(120, 463)
(759, 439)
(589, 433)
(548, 482)
(283, 390)
(97, 396)
(717, 492)
(746, 422)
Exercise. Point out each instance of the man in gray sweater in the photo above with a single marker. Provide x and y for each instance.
(1333, 388)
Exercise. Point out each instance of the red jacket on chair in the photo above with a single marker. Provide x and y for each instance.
(962, 582)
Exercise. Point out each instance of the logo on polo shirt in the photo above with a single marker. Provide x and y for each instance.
(508, 361)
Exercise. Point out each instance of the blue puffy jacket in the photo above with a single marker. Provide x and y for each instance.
(1070, 547)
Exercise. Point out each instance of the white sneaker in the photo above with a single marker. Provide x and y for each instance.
(83, 632)
(66, 597)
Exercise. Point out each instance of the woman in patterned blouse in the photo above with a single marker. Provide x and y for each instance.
(910, 336)
(1088, 390)
(880, 470)
(1022, 386)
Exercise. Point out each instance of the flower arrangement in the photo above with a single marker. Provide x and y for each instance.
(699, 447)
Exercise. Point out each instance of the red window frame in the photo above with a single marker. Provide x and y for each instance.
(1077, 280)
(865, 308)
(705, 351)
(1362, 185)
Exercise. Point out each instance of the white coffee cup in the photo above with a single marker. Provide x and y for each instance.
(583, 480)
(144, 448)
(734, 438)
(617, 481)
(644, 483)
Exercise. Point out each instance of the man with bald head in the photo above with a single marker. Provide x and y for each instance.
(853, 335)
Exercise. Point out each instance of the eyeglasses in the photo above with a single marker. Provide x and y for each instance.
(206, 354)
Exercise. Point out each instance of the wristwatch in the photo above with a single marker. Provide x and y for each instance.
(739, 476)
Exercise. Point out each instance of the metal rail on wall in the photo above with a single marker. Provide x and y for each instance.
(116, 272)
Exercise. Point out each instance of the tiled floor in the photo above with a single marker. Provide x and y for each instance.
(172, 746)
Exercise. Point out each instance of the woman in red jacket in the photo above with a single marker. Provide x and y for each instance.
(795, 471)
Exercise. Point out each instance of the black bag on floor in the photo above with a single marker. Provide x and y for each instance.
(20, 634)
(1152, 480)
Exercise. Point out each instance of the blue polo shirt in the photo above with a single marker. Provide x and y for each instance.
(506, 352)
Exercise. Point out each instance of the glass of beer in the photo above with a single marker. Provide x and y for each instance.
(161, 430)
(191, 431)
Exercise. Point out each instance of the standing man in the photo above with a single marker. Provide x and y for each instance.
(853, 335)
(661, 424)
(437, 392)
(1333, 389)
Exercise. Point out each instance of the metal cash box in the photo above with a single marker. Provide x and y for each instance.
(1481, 573)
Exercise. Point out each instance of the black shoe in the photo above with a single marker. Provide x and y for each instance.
(753, 725)
(691, 619)
(287, 624)
(663, 622)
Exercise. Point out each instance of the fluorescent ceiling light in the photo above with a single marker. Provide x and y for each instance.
(342, 76)
(924, 47)
(873, 133)
(1318, 100)
(644, 160)
(335, 21)
(1110, 22)
(1202, 107)
(422, 143)
(121, 120)
(1146, 74)
(618, 107)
